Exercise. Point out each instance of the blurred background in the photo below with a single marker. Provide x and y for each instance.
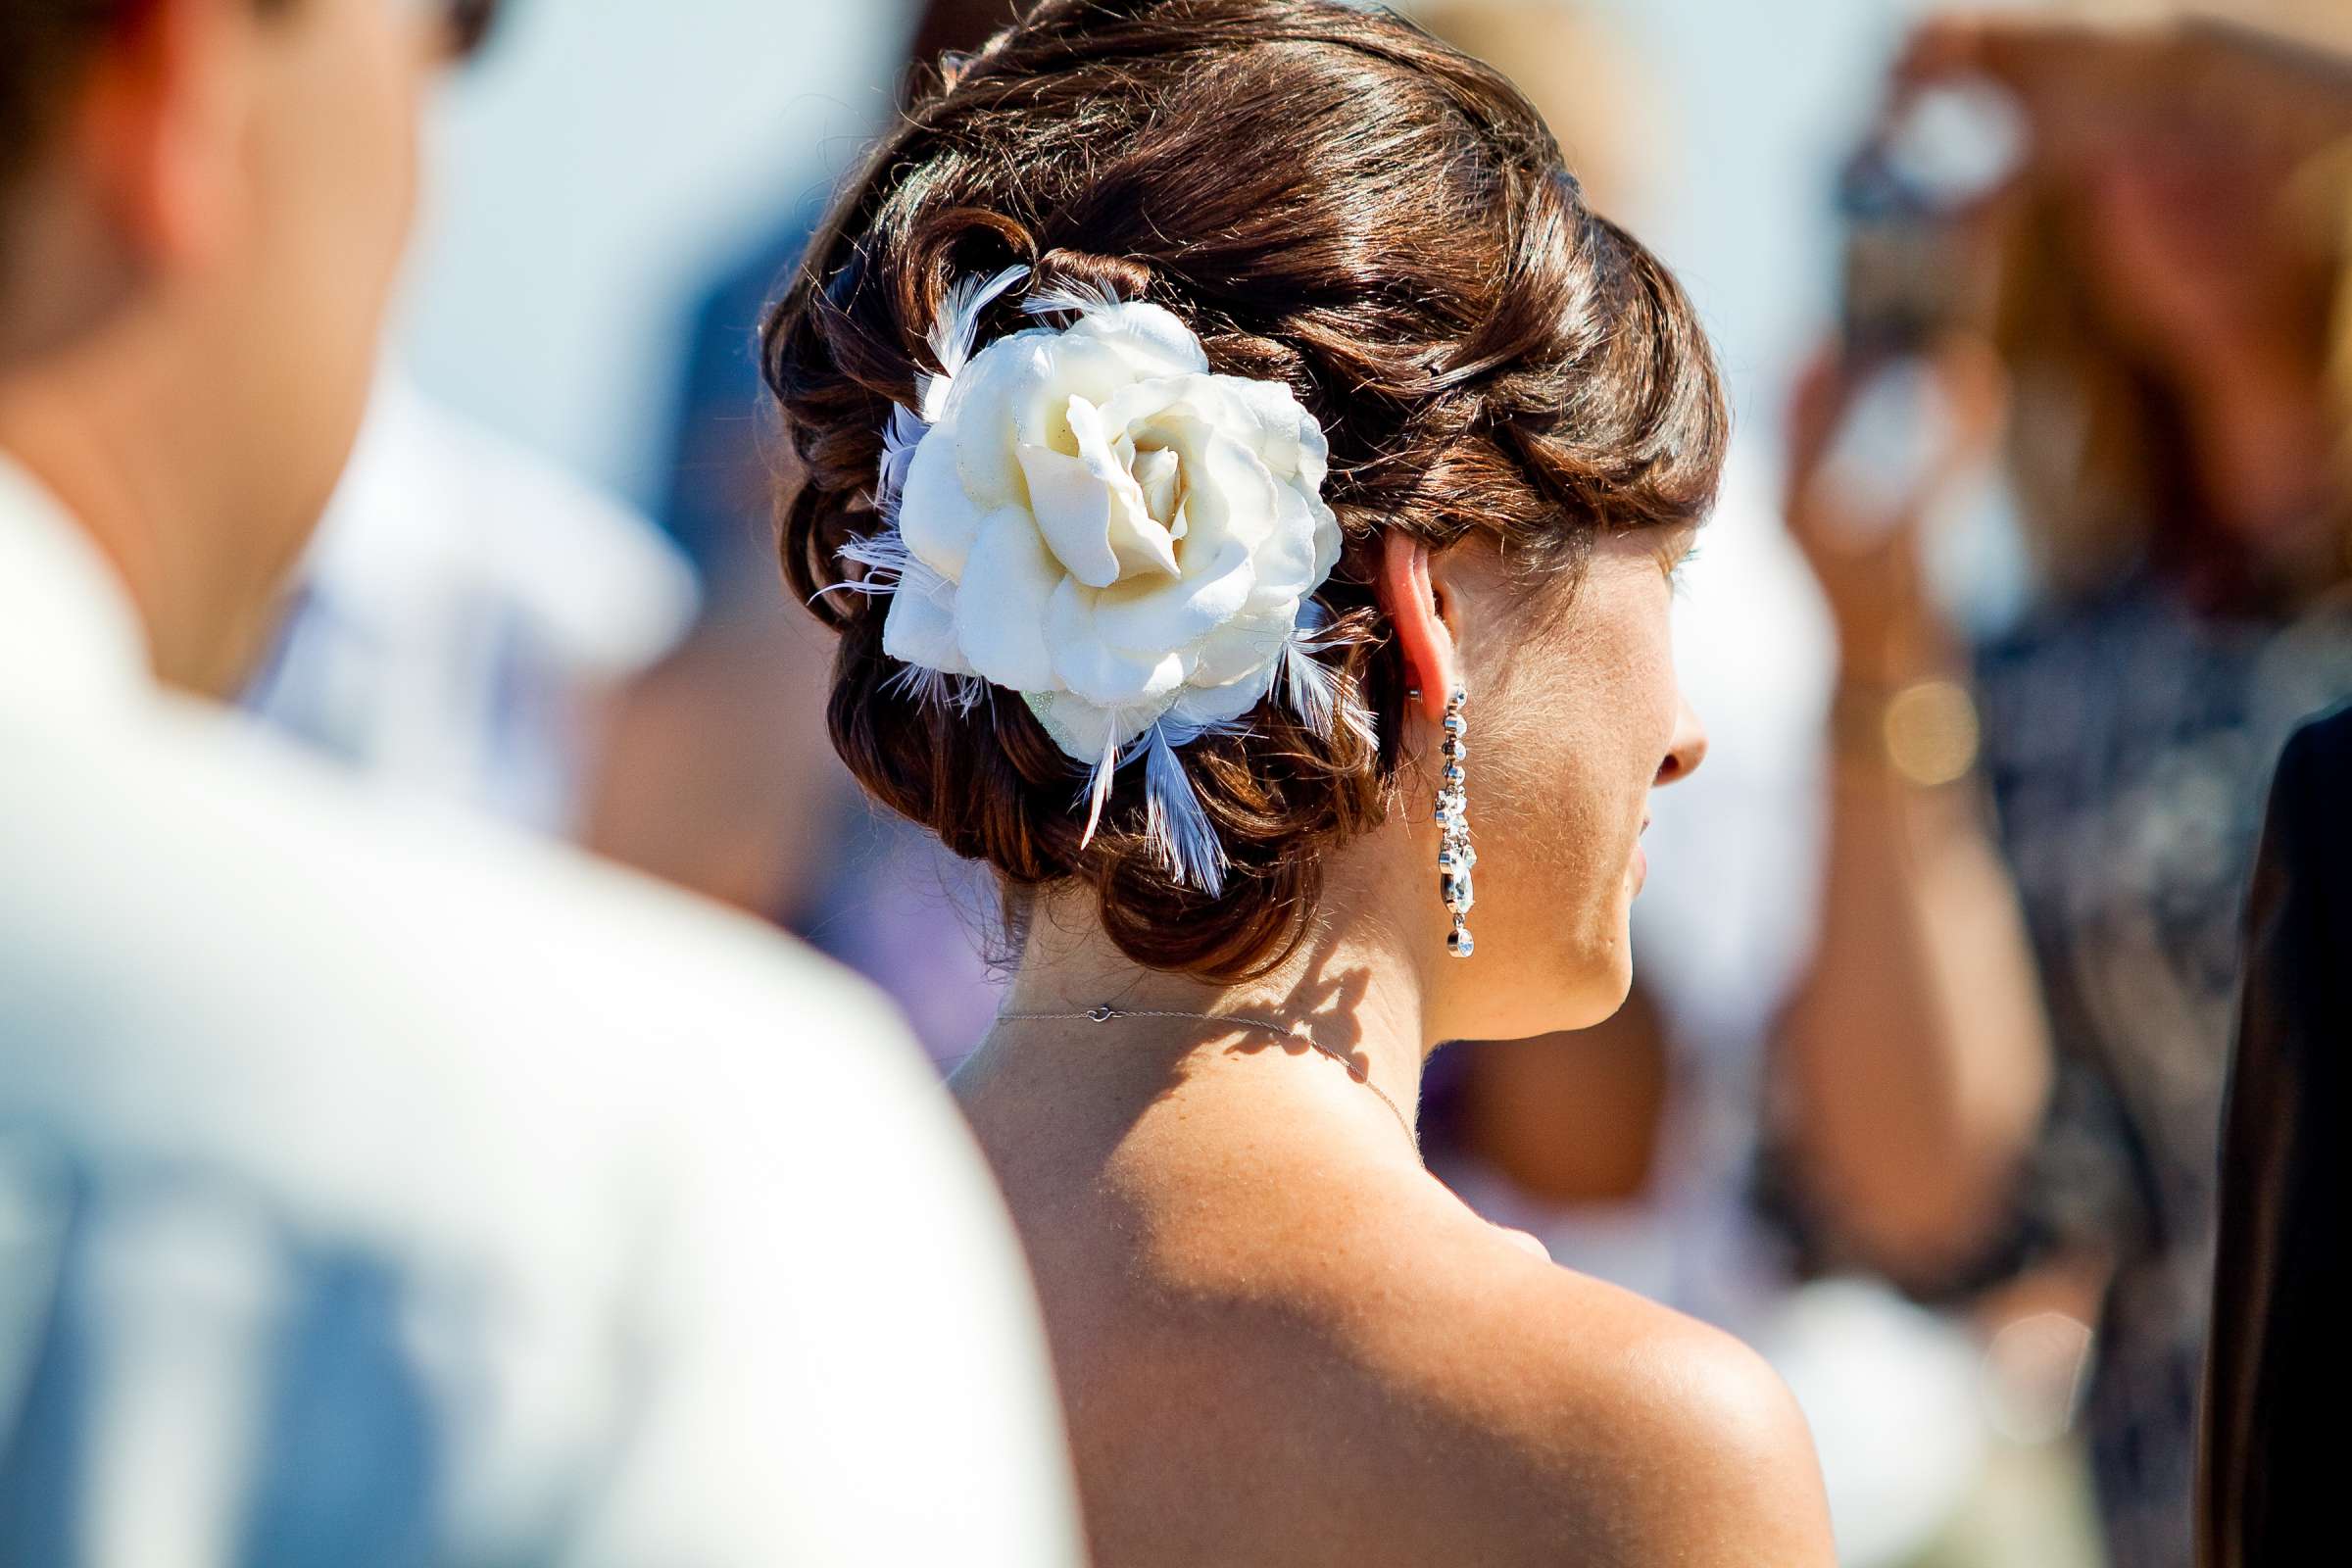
(606, 163)
(2029, 553)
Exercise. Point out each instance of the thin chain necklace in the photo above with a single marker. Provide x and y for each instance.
(1105, 1014)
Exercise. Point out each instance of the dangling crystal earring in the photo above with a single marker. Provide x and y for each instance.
(1455, 856)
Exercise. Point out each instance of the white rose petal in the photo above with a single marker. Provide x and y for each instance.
(1000, 605)
(979, 416)
(1152, 335)
(1156, 474)
(1291, 563)
(1082, 728)
(1243, 646)
(1099, 523)
(1143, 543)
(1153, 613)
(1287, 438)
(1091, 667)
(1230, 492)
(920, 627)
(937, 516)
(1091, 511)
(1202, 705)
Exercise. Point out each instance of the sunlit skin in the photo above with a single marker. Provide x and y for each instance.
(1575, 717)
(1272, 1325)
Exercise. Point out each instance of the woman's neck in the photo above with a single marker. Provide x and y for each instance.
(1355, 990)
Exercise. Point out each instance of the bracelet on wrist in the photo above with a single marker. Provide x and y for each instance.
(1925, 732)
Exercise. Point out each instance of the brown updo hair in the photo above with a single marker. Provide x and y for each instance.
(1328, 196)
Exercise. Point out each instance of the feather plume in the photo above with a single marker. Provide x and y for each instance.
(883, 554)
(964, 692)
(1097, 784)
(886, 561)
(1175, 821)
(935, 688)
(924, 686)
(958, 327)
(902, 433)
(1310, 688)
(1072, 297)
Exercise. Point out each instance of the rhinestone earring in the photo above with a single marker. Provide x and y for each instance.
(1455, 856)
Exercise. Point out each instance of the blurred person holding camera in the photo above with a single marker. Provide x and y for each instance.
(2043, 833)
(374, 1188)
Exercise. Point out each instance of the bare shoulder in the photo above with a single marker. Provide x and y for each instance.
(1652, 1437)
(1715, 1461)
(1353, 1364)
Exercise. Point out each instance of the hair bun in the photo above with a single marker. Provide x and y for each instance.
(1326, 196)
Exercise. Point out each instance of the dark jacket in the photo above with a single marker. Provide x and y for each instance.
(2278, 1373)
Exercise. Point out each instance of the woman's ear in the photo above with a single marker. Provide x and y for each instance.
(1413, 608)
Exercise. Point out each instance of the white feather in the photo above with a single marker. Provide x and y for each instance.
(1097, 784)
(921, 683)
(935, 688)
(959, 323)
(1309, 686)
(1072, 297)
(1175, 822)
(886, 561)
(883, 554)
(903, 432)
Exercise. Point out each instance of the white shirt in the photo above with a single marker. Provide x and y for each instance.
(378, 1188)
(464, 608)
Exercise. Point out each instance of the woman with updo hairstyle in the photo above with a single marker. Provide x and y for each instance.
(1246, 481)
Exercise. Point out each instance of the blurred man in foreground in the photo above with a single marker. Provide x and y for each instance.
(374, 1189)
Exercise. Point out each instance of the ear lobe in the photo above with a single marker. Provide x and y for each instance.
(1410, 600)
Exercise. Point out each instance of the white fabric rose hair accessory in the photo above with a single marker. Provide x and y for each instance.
(1090, 517)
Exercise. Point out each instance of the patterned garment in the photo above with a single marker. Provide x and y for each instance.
(2129, 744)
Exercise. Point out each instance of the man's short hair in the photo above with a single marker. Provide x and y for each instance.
(45, 45)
